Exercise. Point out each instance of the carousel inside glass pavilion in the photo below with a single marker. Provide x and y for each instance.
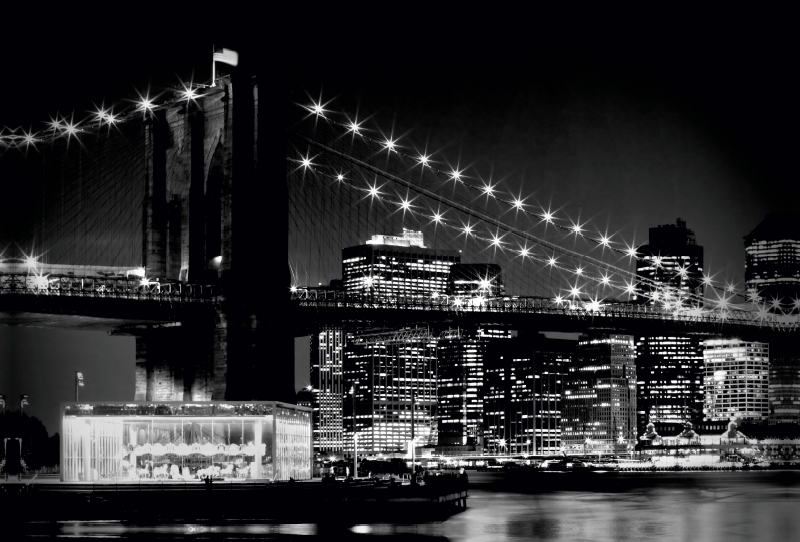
(142, 441)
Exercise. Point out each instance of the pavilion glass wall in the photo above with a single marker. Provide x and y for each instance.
(133, 448)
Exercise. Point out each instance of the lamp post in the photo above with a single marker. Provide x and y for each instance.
(355, 433)
(78, 383)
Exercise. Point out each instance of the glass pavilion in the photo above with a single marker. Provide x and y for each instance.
(134, 441)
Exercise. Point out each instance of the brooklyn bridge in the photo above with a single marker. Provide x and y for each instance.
(167, 222)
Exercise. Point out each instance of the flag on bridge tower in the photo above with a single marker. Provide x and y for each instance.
(226, 56)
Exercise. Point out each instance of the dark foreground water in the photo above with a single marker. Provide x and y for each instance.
(726, 506)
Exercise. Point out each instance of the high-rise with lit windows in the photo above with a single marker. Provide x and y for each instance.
(736, 380)
(397, 266)
(386, 371)
(461, 366)
(475, 279)
(772, 261)
(327, 389)
(669, 373)
(599, 400)
(672, 257)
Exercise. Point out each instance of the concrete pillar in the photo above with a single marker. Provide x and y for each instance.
(196, 264)
(155, 210)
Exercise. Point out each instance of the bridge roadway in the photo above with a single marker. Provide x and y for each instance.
(138, 301)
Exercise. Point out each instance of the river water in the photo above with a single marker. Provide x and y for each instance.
(727, 506)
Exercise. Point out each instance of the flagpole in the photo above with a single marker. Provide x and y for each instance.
(213, 67)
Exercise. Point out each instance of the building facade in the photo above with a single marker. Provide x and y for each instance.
(522, 398)
(672, 257)
(327, 389)
(475, 280)
(460, 377)
(599, 401)
(669, 373)
(390, 375)
(736, 380)
(772, 261)
(397, 267)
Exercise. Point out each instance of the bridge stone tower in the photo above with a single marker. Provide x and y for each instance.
(209, 189)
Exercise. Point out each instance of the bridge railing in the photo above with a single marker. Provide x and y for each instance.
(104, 287)
(333, 298)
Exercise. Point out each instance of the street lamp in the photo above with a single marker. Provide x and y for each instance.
(355, 435)
(78, 383)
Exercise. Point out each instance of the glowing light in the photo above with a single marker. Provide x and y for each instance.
(405, 205)
(389, 144)
(605, 280)
(630, 287)
(455, 175)
(71, 129)
(317, 109)
(340, 177)
(657, 261)
(763, 313)
(682, 271)
(796, 303)
(707, 280)
(145, 105)
(558, 299)
(605, 241)
(485, 284)
(730, 287)
(437, 217)
(305, 161)
(547, 216)
(594, 305)
(293, 289)
(55, 123)
(497, 240)
(576, 229)
(40, 281)
(518, 204)
(29, 138)
(575, 291)
(579, 271)
(524, 252)
(488, 189)
(467, 229)
(373, 191)
(552, 261)
(189, 93)
(423, 159)
(631, 251)
(31, 262)
(354, 127)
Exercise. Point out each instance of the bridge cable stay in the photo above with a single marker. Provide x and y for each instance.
(353, 163)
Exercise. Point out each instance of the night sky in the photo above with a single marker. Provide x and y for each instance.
(627, 130)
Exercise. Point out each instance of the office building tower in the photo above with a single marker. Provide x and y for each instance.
(522, 397)
(460, 379)
(784, 381)
(475, 280)
(671, 257)
(736, 380)
(772, 261)
(669, 373)
(387, 371)
(327, 390)
(599, 401)
(397, 266)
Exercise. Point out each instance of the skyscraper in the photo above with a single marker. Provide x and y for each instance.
(772, 261)
(671, 257)
(599, 401)
(475, 279)
(461, 367)
(397, 266)
(669, 373)
(327, 351)
(387, 371)
(736, 380)
(522, 401)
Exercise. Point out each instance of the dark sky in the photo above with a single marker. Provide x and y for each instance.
(631, 129)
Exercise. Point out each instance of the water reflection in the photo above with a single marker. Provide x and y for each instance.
(718, 506)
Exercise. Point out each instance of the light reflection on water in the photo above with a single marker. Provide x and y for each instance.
(722, 506)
